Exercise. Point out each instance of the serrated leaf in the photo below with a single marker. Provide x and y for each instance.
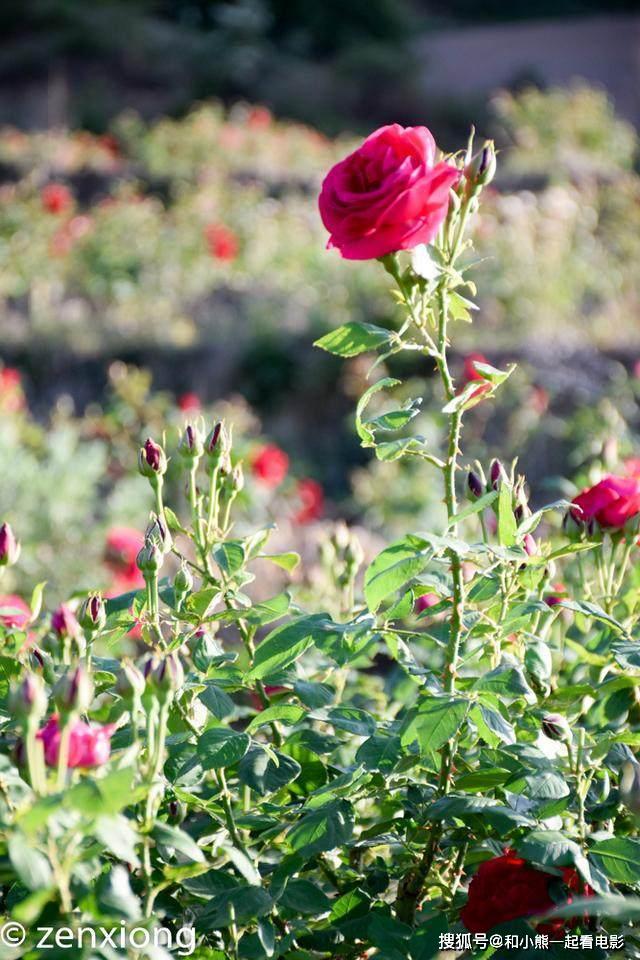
(354, 338)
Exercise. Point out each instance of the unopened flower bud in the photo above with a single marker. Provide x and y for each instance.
(496, 474)
(481, 169)
(64, 622)
(353, 554)
(152, 460)
(92, 615)
(28, 700)
(630, 785)
(149, 560)
(556, 727)
(474, 484)
(190, 447)
(9, 546)
(73, 692)
(158, 533)
(216, 445)
(177, 811)
(530, 545)
(237, 478)
(182, 583)
(130, 682)
(167, 676)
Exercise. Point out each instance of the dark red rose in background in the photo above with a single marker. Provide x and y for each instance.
(508, 888)
(611, 502)
(222, 242)
(56, 198)
(470, 374)
(388, 195)
(311, 496)
(270, 465)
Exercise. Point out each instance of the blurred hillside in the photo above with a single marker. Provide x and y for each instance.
(335, 65)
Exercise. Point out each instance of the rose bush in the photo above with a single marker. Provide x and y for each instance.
(379, 775)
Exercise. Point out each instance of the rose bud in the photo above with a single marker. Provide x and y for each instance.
(630, 785)
(215, 443)
(474, 484)
(167, 676)
(573, 526)
(158, 533)
(530, 545)
(353, 555)
(64, 622)
(426, 601)
(496, 474)
(177, 811)
(130, 682)
(28, 700)
(92, 615)
(556, 727)
(190, 447)
(9, 546)
(152, 460)
(73, 692)
(481, 169)
(237, 478)
(149, 560)
(182, 583)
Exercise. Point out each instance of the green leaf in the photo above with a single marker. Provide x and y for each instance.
(365, 433)
(379, 753)
(240, 905)
(229, 556)
(287, 713)
(267, 772)
(170, 836)
(303, 896)
(288, 561)
(119, 837)
(284, 645)
(216, 701)
(115, 896)
(612, 907)
(549, 848)
(353, 720)
(394, 567)
(507, 525)
(32, 867)
(435, 721)
(323, 829)
(221, 747)
(508, 681)
(619, 858)
(476, 507)
(354, 338)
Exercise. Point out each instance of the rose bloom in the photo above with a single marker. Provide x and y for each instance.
(507, 888)
(17, 613)
(270, 465)
(311, 497)
(189, 403)
(388, 195)
(611, 502)
(63, 621)
(426, 601)
(89, 743)
(11, 392)
(56, 198)
(222, 242)
(122, 548)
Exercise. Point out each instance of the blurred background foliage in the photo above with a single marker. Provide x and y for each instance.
(175, 251)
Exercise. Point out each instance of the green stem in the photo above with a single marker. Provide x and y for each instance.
(63, 752)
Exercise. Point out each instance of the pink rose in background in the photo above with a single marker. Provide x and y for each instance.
(222, 242)
(122, 548)
(611, 502)
(426, 601)
(89, 743)
(311, 496)
(270, 465)
(18, 612)
(388, 195)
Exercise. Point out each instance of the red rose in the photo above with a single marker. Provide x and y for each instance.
(222, 242)
(89, 743)
(270, 465)
(189, 403)
(611, 502)
(56, 198)
(11, 392)
(311, 497)
(388, 195)
(470, 374)
(123, 546)
(507, 888)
